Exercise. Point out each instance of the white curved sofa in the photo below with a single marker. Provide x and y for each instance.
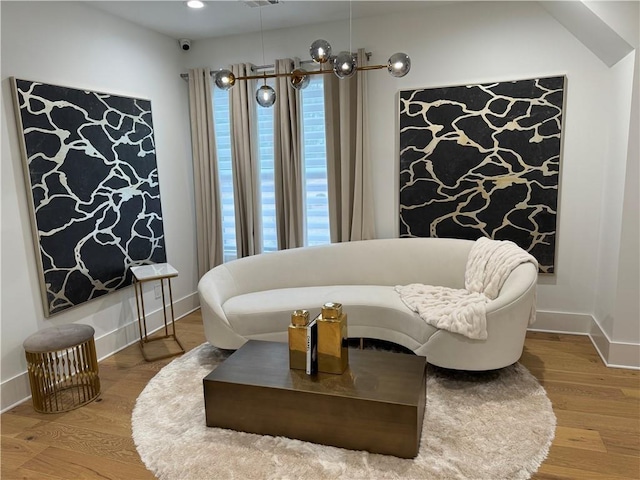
(253, 297)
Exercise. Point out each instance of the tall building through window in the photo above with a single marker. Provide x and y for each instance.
(314, 162)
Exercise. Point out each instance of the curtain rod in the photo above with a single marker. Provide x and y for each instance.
(259, 68)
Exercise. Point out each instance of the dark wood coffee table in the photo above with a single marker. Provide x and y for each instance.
(376, 405)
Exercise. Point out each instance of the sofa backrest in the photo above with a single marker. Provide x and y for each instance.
(397, 261)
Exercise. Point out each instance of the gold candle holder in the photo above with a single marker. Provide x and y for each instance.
(298, 339)
(333, 352)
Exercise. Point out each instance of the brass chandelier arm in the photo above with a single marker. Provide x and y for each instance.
(371, 67)
(312, 72)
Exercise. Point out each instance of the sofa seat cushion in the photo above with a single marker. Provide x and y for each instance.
(375, 306)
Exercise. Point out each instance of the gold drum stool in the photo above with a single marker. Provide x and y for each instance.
(63, 368)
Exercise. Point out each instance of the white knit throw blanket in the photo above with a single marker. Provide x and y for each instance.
(463, 311)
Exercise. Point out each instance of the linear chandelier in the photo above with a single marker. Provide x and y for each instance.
(344, 65)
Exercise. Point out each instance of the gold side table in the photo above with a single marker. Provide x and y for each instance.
(162, 272)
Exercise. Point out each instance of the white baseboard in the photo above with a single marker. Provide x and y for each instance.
(613, 354)
(17, 389)
(128, 334)
(560, 322)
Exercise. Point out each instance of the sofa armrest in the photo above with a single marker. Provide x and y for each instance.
(214, 289)
(507, 320)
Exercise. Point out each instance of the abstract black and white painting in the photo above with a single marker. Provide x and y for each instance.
(483, 160)
(92, 180)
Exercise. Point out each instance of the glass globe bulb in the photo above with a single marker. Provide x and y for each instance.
(299, 79)
(224, 79)
(345, 65)
(399, 64)
(320, 51)
(265, 96)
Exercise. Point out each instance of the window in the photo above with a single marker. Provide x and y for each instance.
(314, 167)
(267, 176)
(222, 126)
(314, 155)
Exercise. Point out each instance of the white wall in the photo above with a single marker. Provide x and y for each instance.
(614, 170)
(629, 275)
(617, 305)
(71, 44)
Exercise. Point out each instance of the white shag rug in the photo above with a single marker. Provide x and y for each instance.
(491, 425)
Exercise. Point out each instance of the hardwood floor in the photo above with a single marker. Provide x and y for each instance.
(597, 408)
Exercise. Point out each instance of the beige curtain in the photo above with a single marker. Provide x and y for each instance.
(348, 159)
(288, 161)
(205, 171)
(244, 158)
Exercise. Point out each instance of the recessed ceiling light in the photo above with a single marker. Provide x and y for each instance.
(195, 4)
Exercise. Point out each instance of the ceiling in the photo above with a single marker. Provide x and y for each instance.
(228, 17)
